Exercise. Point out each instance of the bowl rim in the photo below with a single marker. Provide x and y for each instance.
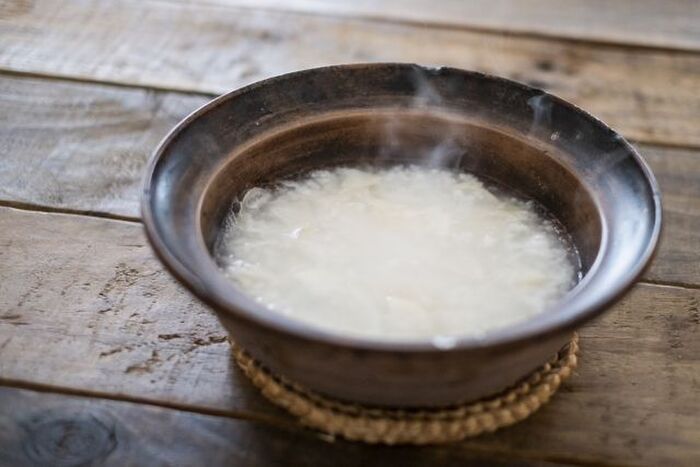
(543, 325)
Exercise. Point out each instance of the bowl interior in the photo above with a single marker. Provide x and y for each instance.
(517, 166)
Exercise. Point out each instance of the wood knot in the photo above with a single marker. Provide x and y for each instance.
(544, 65)
(65, 439)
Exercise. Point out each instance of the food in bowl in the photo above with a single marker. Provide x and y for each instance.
(396, 253)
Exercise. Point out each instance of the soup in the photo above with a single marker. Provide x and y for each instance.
(395, 253)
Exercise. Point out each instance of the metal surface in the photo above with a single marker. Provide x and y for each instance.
(523, 139)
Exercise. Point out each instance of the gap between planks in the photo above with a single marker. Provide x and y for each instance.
(4, 71)
(70, 391)
(504, 31)
(38, 208)
(285, 424)
(673, 284)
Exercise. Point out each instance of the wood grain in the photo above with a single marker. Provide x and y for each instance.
(83, 147)
(636, 394)
(86, 309)
(84, 302)
(86, 306)
(214, 49)
(678, 173)
(672, 23)
(52, 429)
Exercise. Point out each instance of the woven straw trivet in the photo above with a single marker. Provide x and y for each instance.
(397, 426)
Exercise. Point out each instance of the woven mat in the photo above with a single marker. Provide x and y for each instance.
(397, 426)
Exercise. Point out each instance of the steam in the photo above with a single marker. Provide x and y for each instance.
(541, 106)
(544, 125)
(446, 153)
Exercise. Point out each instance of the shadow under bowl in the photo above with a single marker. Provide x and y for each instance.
(521, 139)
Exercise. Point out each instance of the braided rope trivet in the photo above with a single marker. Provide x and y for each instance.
(396, 426)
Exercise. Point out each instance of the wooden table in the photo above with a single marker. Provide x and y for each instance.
(105, 359)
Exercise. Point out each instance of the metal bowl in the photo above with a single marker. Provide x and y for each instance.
(534, 144)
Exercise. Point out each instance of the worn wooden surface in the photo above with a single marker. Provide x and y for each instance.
(128, 364)
(651, 23)
(678, 173)
(81, 146)
(118, 324)
(149, 43)
(58, 430)
(94, 160)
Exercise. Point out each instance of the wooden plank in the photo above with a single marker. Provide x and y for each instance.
(53, 429)
(649, 95)
(671, 24)
(86, 306)
(96, 310)
(678, 173)
(83, 147)
(635, 397)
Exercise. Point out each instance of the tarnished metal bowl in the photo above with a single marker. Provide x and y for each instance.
(522, 139)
